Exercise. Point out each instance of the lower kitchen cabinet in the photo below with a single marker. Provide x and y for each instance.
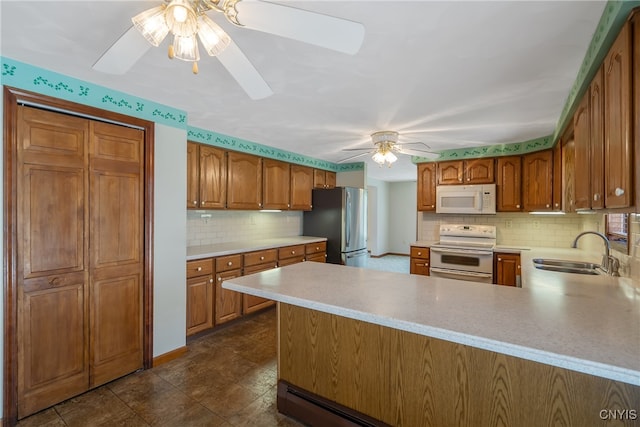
(199, 296)
(316, 252)
(506, 269)
(419, 262)
(255, 262)
(228, 303)
(291, 255)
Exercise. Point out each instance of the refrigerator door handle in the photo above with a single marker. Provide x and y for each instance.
(347, 226)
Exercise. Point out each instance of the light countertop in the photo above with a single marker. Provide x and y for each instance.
(589, 324)
(229, 248)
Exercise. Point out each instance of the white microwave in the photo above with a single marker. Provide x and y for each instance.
(466, 199)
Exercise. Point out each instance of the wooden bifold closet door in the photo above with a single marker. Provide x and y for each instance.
(80, 198)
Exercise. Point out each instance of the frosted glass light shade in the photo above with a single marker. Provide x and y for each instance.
(213, 38)
(186, 48)
(181, 18)
(151, 24)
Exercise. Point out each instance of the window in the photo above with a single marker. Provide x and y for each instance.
(617, 230)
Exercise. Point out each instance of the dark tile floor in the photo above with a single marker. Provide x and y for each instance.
(227, 378)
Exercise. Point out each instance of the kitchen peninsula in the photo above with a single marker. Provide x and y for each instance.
(411, 350)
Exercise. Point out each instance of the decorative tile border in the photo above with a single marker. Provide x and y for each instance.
(613, 18)
(513, 149)
(232, 143)
(34, 79)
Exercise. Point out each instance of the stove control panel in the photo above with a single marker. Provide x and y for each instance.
(468, 230)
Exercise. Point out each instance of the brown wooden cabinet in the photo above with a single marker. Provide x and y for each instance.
(228, 303)
(419, 260)
(473, 171)
(255, 262)
(537, 178)
(558, 177)
(291, 255)
(324, 179)
(244, 182)
(582, 148)
(618, 167)
(509, 184)
(79, 262)
(506, 269)
(199, 295)
(426, 187)
(596, 141)
(301, 187)
(276, 180)
(206, 177)
(316, 252)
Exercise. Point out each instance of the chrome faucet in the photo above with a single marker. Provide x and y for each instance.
(609, 263)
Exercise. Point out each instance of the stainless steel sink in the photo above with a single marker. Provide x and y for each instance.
(565, 266)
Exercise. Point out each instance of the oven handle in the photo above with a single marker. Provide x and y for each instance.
(460, 273)
(458, 251)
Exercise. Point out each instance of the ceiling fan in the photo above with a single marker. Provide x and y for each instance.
(187, 21)
(386, 146)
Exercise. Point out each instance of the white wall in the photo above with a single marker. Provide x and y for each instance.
(356, 179)
(169, 246)
(402, 220)
(378, 217)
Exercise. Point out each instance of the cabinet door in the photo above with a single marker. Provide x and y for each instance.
(596, 140)
(330, 179)
(426, 187)
(319, 178)
(193, 175)
(276, 184)
(507, 268)
(537, 177)
(617, 122)
(450, 172)
(199, 304)
(252, 303)
(508, 186)
(228, 303)
(479, 171)
(244, 182)
(581, 130)
(301, 187)
(557, 177)
(213, 177)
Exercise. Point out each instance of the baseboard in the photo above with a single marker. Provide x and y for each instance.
(168, 357)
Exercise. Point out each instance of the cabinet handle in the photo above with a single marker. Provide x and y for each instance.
(596, 197)
(618, 192)
(199, 269)
(261, 258)
(219, 279)
(548, 205)
(433, 206)
(518, 206)
(419, 253)
(293, 252)
(317, 248)
(230, 263)
(211, 280)
(499, 259)
(557, 204)
(195, 202)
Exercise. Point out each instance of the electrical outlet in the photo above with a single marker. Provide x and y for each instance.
(508, 223)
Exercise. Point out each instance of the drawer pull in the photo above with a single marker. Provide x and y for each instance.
(199, 269)
(230, 263)
(195, 202)
(419, 253)
(261, 258)
(618, 192)
(219, 279)
(293, 252)
(211, 280)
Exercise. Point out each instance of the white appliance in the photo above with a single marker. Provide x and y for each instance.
(464, 252)
(466, 199)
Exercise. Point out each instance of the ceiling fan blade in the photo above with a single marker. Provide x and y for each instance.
(244, 72)
(356, 149)
(420, 153)
(416, 143)
(310, 27)
(123, 54)
(355, 157)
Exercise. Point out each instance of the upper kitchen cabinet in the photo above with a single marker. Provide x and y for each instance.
(617, 122)
(244, 182)
(324, 179)
(557, 177)
(537, 177)
(635, 22)
(509, 184)
(426, 186)
(475, 171)
(582, 145)
(301, 187)
(206, 177)
(276, 184)
(596, 140)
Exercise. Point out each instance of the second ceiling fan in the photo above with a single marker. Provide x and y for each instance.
(187, 21)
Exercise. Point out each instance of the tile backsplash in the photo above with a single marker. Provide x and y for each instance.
(211, 227)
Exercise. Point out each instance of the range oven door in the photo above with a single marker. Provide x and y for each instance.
(464, 264)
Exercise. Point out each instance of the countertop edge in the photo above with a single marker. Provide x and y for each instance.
(230, 248)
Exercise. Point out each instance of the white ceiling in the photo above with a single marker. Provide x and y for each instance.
(452, 74)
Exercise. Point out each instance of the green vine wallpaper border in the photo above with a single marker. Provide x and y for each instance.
(232, 143)
(34, 79)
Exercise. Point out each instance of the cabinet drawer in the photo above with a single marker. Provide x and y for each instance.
(260, 257)
(419, 252)
(315, 248)
(229, 262)
(290, 251)
(200, 267)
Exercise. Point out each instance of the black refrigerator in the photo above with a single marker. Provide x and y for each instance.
(340, 215)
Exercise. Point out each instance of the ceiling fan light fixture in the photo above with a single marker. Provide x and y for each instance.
(181, 18)
(152, 25)
(186, 48)
(213, 38)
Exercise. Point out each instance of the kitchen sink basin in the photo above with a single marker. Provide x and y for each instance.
(565, 266)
